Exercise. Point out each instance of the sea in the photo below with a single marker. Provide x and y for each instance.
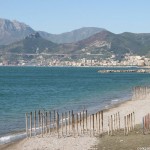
(26, 89)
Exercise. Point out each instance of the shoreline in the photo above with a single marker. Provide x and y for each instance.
(92, 110)
(15, 143)
(140, 107)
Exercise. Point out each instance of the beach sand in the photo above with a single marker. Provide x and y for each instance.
(84, 142)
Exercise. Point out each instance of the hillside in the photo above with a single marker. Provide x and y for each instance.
(72, 36)
(32, 44)
(12, 31)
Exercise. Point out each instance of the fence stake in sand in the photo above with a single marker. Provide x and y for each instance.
(96, 122)
(129, 122)
(69, 121)
(127, 119)
(93, 124)
(83, 121)
(119, 119)
(99, 121)
(54, 120)
(62, 123)
(133, 120)
(73, 125)
(42, 119)
(26, 123)
(90, 124)
(43, 114)
(77, 123)
(35, 122)
(57, 123)
(80, 123)
(49, 122)
(66, 122)
(143, 125)
(39, 119)
(114, 123)
(102, 120)
(86, 121)
(30, 124)
(108, 125)
(124, 125)
(111, 118)
(46, 122)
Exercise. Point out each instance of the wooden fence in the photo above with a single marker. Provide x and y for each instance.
(141, 92)
(129, 123)
(63, 124)
(146, 124)
(113, 123)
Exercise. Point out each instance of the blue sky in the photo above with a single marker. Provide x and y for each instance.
(57, 16)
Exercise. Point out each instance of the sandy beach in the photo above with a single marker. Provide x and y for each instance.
(82, 142)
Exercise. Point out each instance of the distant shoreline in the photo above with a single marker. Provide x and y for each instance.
(78, 66)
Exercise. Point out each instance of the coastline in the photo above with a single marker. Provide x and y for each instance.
(140, 107)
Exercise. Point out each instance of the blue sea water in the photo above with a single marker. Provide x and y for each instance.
(25, 89)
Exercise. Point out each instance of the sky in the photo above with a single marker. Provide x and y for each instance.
(58, 16)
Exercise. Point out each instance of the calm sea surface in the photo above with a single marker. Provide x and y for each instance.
(25, 89)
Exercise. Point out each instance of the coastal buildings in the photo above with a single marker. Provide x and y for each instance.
(42, 60)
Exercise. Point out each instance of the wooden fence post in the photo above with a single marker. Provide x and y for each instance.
(111, 124)
(99, 118)
(86, 121)
(62, 123)
(124, 125)
(119, 119)
(114, 120)
(69, 121)
(54, 120)
(42, 123)
(80, 123)
(77, 123)
(49, 122)
(93, 124)
(127, 121)
(73, 124)
(46, 122)
(30, 124)
(57, 123)
(72, 120)
(83, 121)
(102, 119)
(35, 122)
(26, 123)
(133, 120)
(39, 119)
(143, 125)
(96, 123)
(108, 125)
(148, 121)
(90, 125)
(66, 122)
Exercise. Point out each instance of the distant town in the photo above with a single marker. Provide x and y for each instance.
(61, 60)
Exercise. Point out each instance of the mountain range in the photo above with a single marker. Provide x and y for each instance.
(16, 37)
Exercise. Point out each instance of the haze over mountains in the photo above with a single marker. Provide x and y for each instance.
(16, 37)
(12, 31)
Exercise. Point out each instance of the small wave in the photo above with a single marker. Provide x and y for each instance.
(12, 138)
(115, 100)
